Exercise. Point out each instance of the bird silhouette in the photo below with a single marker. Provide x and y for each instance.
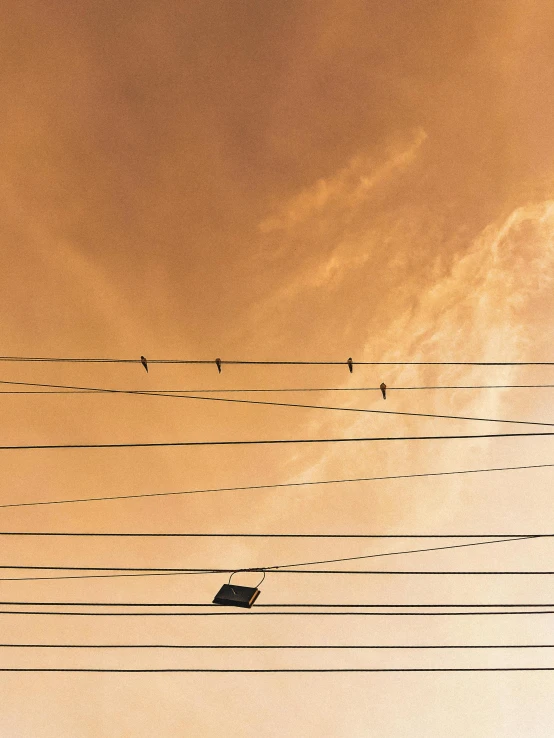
(218, 363)
(383, 387)
(144, 363)
(349, 362)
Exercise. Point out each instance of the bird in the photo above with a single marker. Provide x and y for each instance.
(349, 362)
(218, 363)
(383, 388)
(144, 363)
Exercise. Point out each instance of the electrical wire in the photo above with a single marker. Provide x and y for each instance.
(273, 441)
(272, 671)
(273, 535)
(145, 571)
(388, 553)
(271, 486)
(279, 566)
(254, 612)
(265, 647)
(342, 606)
(290, 389)
(49, 359)
(281, 571)
(151, 393)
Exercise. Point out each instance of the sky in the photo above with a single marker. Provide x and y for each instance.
(289, 181)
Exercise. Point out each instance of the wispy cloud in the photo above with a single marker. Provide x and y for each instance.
(481, 310)
(347, 188)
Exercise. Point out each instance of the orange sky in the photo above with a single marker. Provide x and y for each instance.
(289, 180)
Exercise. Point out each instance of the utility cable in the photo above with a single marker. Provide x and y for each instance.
(254, 612)
(342, 606)
(286, 647)
(151, 393)
(279, 566)
(339, 572)
(274, 535)
(272, 671)
(273, 441)
(59, 360)
(179, 392)
(271, 486)
(390, 553)
(145, 570)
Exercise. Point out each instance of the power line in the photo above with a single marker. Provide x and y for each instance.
(389, 553)
(209, 605)
(152, 393)
(272, 671)
(274, 535)
(111, 576)
(178, 392)
(167, 572)
(281, 571)
(50, 359)
(286, 647)
(158, 444)
(272, 486)
(273, 567)
(253, 613)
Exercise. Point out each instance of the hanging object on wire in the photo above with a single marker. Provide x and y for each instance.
(218, 364)
(144, 363)
(383, 387)
(350, 364)
(235, 596)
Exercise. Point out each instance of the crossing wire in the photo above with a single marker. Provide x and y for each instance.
(271, 486)
(241, 570)
(152, 393)
(280, 566)
(280, 571)
(389, 553)
(165, 444)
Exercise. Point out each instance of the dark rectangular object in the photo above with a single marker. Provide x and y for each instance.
(232, 594)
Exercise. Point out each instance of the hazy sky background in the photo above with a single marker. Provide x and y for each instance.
(287, 180)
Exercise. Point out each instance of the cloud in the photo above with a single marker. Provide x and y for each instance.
(348, 188)
(331, 234)
(480, 306)
(482, 309)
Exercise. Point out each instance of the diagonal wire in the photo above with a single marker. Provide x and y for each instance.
(272, 486)
(151, 393)
(267, 442)
(179, 392)
(166, 572)
(390, 553)
(301, 572)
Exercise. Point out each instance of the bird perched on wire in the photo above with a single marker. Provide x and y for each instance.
(144, 363)
(218, 364)
(349, 362)
(383, 388)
